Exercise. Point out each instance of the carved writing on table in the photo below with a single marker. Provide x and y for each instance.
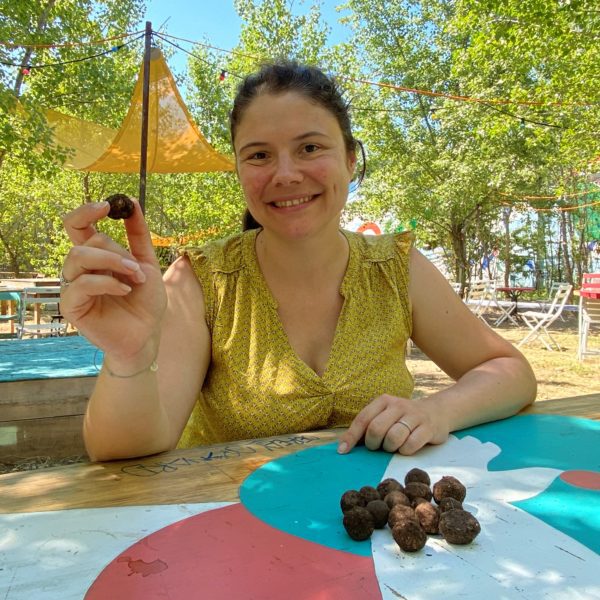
(231, 451)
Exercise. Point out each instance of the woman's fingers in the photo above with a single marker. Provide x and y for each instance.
(90, 258)
(138, 234)
(358, 427)
(79, 223)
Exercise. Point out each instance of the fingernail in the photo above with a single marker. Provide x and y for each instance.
(100, 205)
(125, 288)
(130, 264)
(342, 448)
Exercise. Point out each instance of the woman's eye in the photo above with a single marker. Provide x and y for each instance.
(309, 148)
(258, 156)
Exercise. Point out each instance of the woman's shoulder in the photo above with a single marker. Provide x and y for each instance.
(383, 247)
(224, 255)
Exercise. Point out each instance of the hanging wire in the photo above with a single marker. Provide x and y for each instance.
(71, 44)
(222, 72)
(75, 60)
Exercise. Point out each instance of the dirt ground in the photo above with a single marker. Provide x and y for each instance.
(559, 375)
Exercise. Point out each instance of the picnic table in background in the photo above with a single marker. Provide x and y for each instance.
(514, 293)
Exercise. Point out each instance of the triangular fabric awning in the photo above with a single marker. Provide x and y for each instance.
(175, 145)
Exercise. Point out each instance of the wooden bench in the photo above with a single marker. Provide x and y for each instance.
(44, 388)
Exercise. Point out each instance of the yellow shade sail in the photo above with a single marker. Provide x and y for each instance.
(175, 145)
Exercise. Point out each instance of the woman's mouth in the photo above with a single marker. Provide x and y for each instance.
(292, 202)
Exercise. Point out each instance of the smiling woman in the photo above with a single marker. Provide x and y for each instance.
(256, 334)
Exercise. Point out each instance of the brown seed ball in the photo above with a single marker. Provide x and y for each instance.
(418, 475)
(449, 486)
(449, 503)
(379, 511)
(416, 489)
(351, 499)
(396, 497)
(429, 517)
(418, 501)
(409, 536)
(399, 513)
(121, 206)
(389, 485)
(369, 493)
(459, 526)
(358, 523)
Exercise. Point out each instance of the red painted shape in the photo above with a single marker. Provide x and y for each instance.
(228, 554)
(589, 480)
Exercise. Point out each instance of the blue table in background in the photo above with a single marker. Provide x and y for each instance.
(44, 387)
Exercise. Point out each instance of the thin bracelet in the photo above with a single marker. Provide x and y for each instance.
(153, 368)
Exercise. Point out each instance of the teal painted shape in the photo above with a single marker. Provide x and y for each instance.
(48, 358)
(554, 441)
(282, 493)
(572, 510)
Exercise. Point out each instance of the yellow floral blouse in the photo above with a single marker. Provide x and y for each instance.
(256, 385)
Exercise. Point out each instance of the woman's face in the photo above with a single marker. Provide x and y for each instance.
(293, 164)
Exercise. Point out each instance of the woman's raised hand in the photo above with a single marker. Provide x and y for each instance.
(115, 297)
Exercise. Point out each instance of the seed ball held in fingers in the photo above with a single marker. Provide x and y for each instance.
(121, 206)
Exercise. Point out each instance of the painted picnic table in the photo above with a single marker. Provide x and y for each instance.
(44, 387)
(261, 519)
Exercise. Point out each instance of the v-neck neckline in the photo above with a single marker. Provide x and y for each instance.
(260, 284)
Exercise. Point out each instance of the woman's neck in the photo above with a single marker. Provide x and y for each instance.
(309, 259)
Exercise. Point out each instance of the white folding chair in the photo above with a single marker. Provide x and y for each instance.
(539, 321)
(35, 299)
(479, 297)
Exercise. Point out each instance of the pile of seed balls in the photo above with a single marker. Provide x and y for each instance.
(409, 512)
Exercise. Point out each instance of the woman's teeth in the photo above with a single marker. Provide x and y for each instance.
(294, 202)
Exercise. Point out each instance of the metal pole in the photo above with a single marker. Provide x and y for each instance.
(145, 105)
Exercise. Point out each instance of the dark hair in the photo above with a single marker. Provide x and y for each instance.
(290, 76)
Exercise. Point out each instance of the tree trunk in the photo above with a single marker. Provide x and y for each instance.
(564, 244)
(507, 245)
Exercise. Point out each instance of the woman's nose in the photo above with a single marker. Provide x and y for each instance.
(287, 171)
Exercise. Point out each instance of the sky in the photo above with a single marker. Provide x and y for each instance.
(216, 22)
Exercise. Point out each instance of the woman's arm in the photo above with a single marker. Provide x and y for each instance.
(493, 379)
(146, 413)
(119, 300)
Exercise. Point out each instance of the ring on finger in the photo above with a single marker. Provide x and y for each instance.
(401, 422)
(64, 282)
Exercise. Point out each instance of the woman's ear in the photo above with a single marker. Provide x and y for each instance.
(351, 163)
